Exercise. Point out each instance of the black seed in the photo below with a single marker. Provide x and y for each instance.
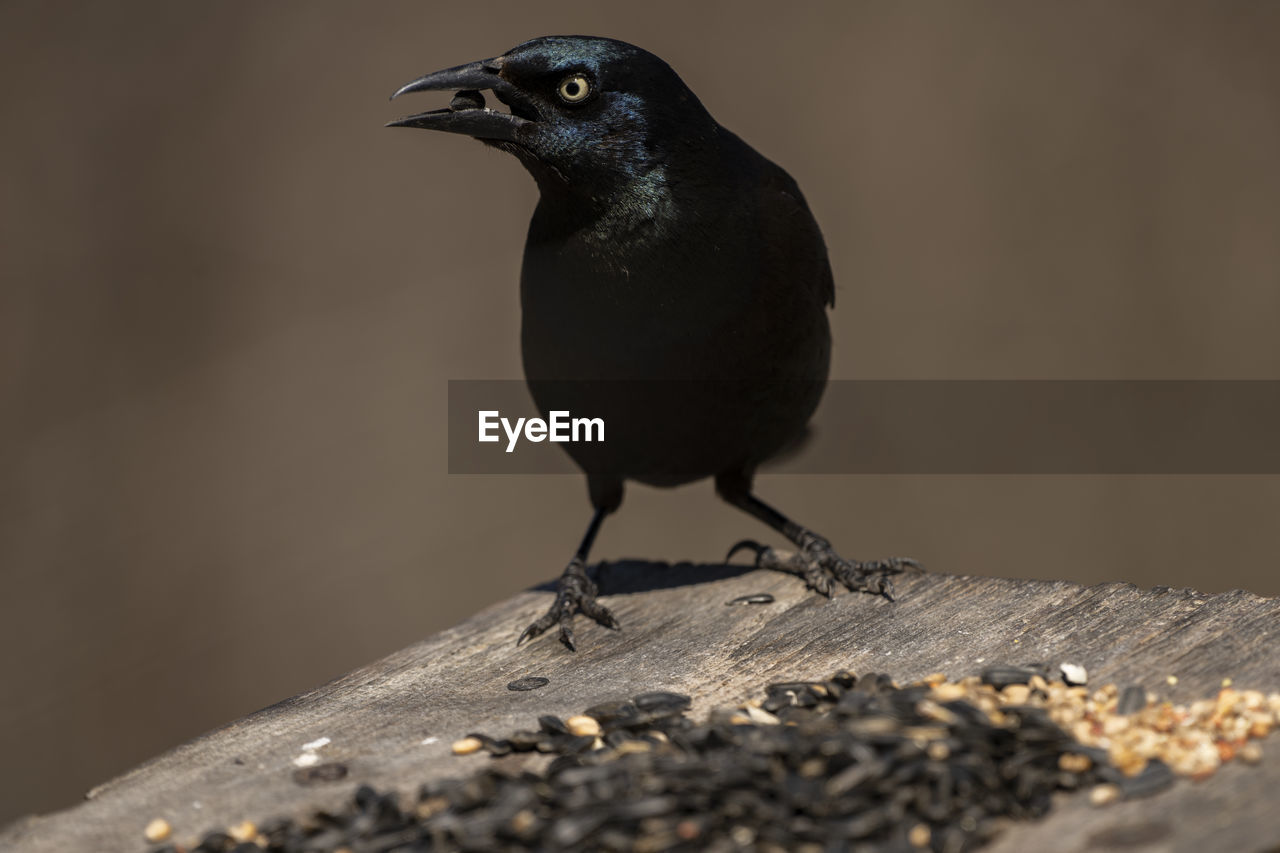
(754, 598)
(579, 744)
(552, 724)
(320, 773)
(492, 746)
(787, 687)
(532, 682)
(879, 682)
(215, 842)
(612, 712)
(845, 678)
(616, 739)
(776, 702)
(1132, 699)
(366, 798)
(1153, 779)
(524, 741)
(660, 701)
(798, 693)
(1001, 677)
(970, 714)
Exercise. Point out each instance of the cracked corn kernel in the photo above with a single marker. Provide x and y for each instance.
(158, 830)
(583, 725)
(466, 746)
(1103, 795)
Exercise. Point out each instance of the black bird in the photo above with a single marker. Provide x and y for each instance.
(674, 282)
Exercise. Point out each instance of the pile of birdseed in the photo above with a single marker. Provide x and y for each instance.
(843, 764)
(1141, 736)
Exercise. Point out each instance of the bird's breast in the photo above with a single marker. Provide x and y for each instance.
(681, 300)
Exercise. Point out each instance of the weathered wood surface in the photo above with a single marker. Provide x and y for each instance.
(678, 634)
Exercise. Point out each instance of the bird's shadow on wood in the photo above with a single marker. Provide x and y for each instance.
(621, 577)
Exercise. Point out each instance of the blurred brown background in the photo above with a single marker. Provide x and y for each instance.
(231, 299)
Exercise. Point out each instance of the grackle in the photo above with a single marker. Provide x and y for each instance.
(674, 281)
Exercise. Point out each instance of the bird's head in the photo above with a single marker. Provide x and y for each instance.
(585, 112)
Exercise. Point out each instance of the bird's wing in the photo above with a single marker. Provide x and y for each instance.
(798, 231)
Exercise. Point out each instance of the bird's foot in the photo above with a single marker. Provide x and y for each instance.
(821, 567)
(575, 593)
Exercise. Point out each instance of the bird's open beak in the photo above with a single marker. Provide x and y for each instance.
(478, 121)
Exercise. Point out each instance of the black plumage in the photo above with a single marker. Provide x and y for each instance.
(674, 283)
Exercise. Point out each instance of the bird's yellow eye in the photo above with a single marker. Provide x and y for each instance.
(574, 89)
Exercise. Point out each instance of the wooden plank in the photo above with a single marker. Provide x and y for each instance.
(391, 723)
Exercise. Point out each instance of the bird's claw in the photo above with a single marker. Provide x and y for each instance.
(575, 593)
(566, 637)
(785, 561)
(744, 545)
(821, 567)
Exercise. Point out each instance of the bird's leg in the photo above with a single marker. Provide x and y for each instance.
(815, 561)
(575, 593)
